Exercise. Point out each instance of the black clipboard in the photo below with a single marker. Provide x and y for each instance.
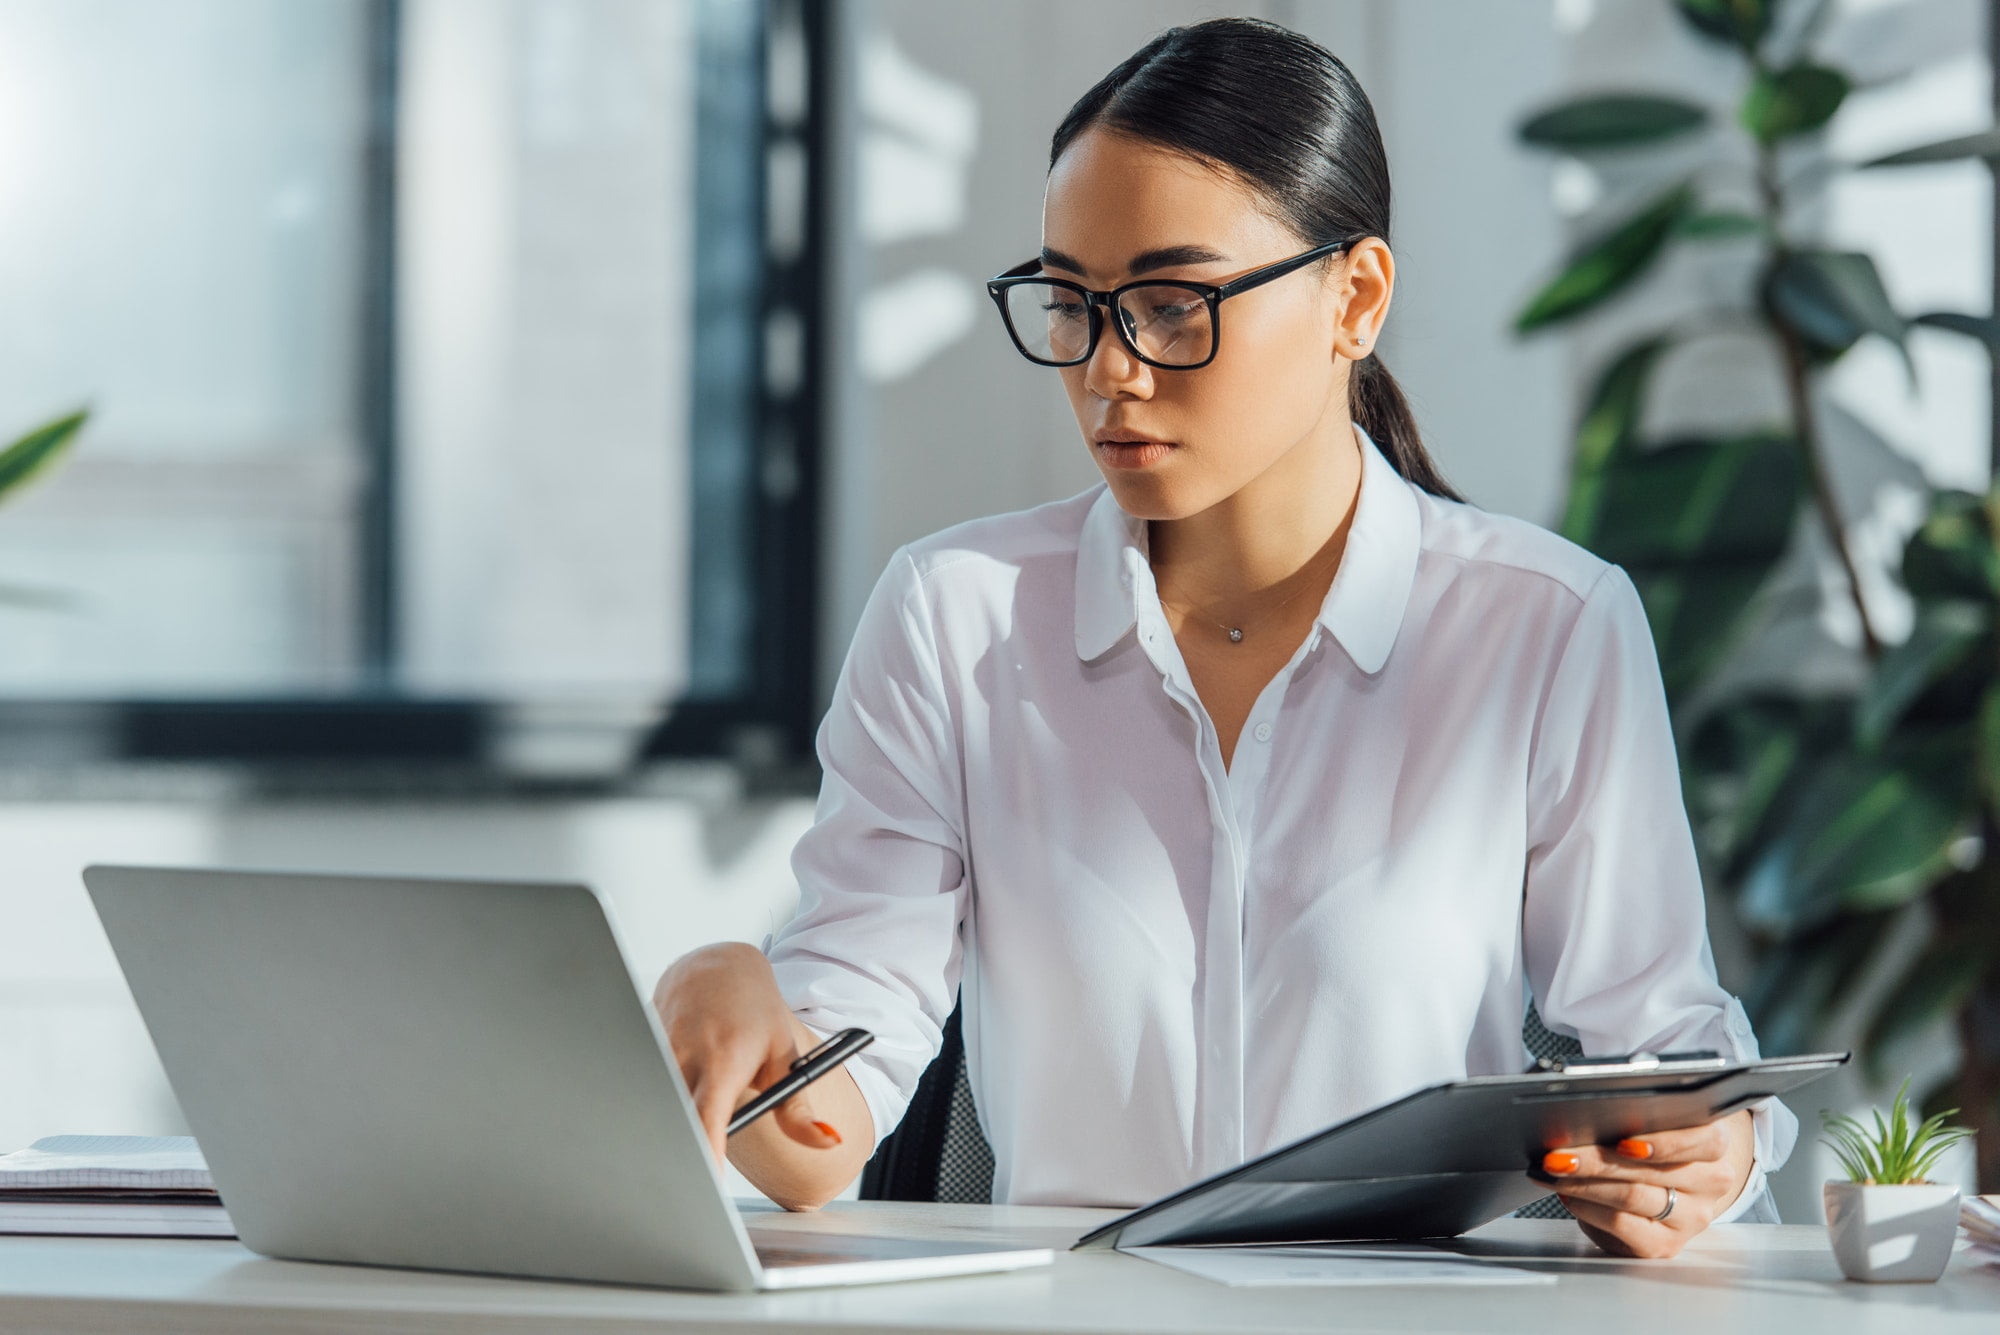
(1451, 1156)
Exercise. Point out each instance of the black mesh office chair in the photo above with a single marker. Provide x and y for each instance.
(940, 1154)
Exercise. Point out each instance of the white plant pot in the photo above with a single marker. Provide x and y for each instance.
(1892, 1234)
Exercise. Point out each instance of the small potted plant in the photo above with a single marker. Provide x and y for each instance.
(1888, 1222)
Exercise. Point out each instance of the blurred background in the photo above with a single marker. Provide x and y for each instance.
(497, 412)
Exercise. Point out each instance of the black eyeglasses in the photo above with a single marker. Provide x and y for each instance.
(1172, 325)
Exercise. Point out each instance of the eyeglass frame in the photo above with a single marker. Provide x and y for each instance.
(1212, 295)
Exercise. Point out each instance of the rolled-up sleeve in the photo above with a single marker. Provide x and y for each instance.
(1614, 932)
(881, 872)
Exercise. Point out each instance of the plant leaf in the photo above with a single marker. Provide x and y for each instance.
(1721, 225)
(1612, 120)
(1989, 744)
(1608, 263)
(1801, 981)
(1831, 298)
(1699, 525)
(1945, 634)
(1793, 101)
(1985, 144)
(1953, 553)
(1937, 983)
(1753, 754)
(1743, 22)
(1867, 832)
(38, 449)
(1982, 327)
(1609, 427)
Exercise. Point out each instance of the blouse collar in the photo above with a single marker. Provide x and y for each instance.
(1363, 610)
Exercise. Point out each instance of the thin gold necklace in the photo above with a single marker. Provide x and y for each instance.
(1235, 632)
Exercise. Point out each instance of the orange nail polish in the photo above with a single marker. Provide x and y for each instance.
(1559, 1163)
(1636, 1149)
(828, 1129)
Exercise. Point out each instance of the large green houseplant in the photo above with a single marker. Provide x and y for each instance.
(1827, 814)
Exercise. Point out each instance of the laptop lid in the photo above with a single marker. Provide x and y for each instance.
(414, 1072)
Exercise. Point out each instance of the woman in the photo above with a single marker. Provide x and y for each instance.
(1258, 786)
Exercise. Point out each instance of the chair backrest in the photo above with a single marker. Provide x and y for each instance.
(938, 1153)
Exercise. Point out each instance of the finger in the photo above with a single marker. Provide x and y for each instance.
(1643, 1199)
(1633, 1235)
(795, 1117)
(713, 1103)
(1635, 1159)
(1691, 1144)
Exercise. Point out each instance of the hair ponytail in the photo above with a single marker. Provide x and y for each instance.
(1377, 403)
(1282, 113)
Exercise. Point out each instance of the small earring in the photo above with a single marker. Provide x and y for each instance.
(1361, 340)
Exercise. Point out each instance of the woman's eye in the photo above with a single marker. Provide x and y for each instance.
(1175, 313)
(1067, 310)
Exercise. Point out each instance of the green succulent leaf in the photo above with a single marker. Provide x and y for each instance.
(1867, 832)
(1793, 101)
(1609, 428)
(1721, 225)
(1936, 984)
(1953, 553)
(1831, 298)
(1699, 525)
(1891, 1153)
(1982, 327)
(1946, 634)
(35, 451)
(1612, 120)
(1985, 144)
(1743, 23)
(1608, 263)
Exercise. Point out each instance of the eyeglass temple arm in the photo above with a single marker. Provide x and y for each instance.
(1280, 269)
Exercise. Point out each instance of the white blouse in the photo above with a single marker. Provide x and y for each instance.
(1461, 791)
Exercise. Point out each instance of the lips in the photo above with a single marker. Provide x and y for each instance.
(1124, 449)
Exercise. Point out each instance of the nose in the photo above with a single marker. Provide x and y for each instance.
(1112, 371)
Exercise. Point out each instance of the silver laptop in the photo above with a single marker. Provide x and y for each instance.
(450, 1075)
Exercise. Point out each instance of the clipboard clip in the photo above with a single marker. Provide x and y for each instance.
(1633, 1063)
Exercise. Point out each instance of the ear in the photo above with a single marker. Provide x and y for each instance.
(1367, 281)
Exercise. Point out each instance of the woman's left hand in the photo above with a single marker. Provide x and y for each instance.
(1618, 1194)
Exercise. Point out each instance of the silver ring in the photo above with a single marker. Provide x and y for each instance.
(1668, 1209)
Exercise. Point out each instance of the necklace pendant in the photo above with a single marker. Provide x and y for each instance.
(1235, 634)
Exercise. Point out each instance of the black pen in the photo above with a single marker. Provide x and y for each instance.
(804, 1071)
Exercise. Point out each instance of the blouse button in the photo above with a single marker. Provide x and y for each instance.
(1263, 732)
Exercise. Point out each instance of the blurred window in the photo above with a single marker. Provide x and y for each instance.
(424, 341)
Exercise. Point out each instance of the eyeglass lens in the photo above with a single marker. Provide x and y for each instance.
(1168, 324)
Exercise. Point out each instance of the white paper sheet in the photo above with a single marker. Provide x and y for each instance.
(85, 1163)
(1305, 1266)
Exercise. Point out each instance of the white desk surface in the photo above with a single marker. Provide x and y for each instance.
(1750, 1278)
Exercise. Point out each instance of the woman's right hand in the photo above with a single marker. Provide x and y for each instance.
(733, 1035)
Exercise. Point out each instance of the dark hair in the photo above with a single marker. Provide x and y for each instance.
(1279, 111)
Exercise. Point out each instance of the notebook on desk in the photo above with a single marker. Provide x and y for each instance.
(111, 1186)
(450, 1075)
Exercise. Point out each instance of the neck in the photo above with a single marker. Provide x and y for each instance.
(1285, 527)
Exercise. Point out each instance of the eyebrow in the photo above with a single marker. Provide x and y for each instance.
(1163, 257)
